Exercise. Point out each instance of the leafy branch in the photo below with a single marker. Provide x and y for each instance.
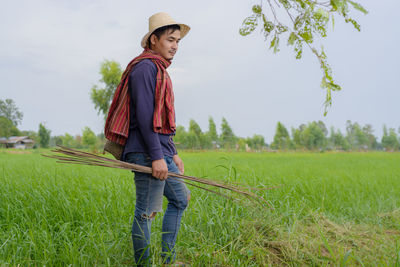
(308, 20)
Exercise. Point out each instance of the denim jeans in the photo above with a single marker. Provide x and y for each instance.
(149, 197)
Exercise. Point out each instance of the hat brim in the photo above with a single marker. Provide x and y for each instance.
(184, 30)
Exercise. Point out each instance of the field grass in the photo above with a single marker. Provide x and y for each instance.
(339, 209)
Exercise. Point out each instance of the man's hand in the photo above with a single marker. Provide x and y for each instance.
(159, 169)
(179, 163)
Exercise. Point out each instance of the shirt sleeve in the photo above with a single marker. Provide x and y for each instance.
(142, 83)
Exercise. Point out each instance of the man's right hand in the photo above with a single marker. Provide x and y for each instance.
(159, 169)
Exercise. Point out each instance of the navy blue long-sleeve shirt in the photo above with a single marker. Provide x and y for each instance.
(142, 138)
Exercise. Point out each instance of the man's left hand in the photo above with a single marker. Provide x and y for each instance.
(179, 163)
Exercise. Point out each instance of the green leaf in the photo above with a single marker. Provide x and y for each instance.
(249, 25)
(298, 22)
(276, 49)
(307, 36)
(273, 42)
(358, 7)
(257, 9)
(281, 28)
(334, 4)
(298, 49)
(322, 14)
(292, 38)
(337, 5)
(355, 24)
(286, 4)
(268, 26)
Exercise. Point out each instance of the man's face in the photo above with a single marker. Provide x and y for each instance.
(167, 45)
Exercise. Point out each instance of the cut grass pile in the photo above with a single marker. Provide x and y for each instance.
(330, 209)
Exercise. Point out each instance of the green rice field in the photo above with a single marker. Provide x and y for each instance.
(330, 209)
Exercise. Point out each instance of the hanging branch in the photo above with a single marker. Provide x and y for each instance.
(308, 19)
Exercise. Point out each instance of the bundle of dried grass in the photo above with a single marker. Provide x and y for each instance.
(73, 156)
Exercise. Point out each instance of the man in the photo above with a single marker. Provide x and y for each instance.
(142, 119)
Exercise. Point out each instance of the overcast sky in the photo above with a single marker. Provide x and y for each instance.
(51, 52)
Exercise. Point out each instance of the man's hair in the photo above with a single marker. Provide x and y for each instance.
(160, 31)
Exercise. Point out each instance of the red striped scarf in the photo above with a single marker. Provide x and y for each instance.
(117, 123)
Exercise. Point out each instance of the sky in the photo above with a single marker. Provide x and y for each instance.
(51, 53)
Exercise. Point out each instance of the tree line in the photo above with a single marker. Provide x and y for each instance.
(313, 136)
(195, 138)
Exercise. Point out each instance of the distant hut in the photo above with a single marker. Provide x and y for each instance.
(19, 142)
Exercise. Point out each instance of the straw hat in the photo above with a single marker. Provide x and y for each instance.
(159, 20)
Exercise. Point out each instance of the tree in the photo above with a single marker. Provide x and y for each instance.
(256, 142)
(228, 138)
(370, 138)
(78, 142)
(192, 141)
(337, 140)
(68, 140)
(194, 127)
(308, 21)
(196, 134)
(314, 137)
(56, 141)
(212, 132)
(7, 128)
(361, 138)
(89, 138)
(297, 135)
(180, 137)
(110, 72)
(323, 128)
(44, 136)
(389, 140)
(351, 130)
(281, 137)
(357, 137)
(9, 110)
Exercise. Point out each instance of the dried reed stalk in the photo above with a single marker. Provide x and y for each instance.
(73, 156)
